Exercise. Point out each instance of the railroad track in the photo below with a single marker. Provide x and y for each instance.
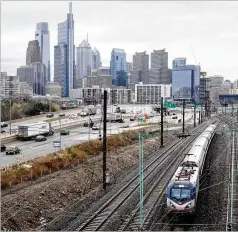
(99, 220)
(154, 195)
(184, 225)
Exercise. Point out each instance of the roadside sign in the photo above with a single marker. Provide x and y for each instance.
(169, 105)
(197, 105)
(56, 143)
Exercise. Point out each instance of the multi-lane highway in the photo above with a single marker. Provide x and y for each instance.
(31, 149)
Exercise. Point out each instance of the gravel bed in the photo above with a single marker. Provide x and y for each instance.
(91, 204)
(35, 208)
(211, 209)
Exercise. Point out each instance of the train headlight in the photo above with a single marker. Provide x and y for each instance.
(188, 206)
(171, 205)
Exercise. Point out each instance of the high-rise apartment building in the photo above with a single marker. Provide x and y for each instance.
(159, 72)
(96, 59)
(33, 52)
(118, 67)
(84, 60)
(140, 71)
(42, 35)
(66, 43)
(9, 86)
(151, 93)
(159, 59)
(141, 61)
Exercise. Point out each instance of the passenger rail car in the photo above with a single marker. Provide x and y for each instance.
(183, 188)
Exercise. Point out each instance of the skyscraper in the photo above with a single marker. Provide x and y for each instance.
(42, 35)
(66, 47)
(186, 83)
(159, 73)
(33, 52)
(34, 74)
(118, 67)
(84, 60)
(60, 70)
(140, 72)
(141, 61)
(159, 58)
(96, 59)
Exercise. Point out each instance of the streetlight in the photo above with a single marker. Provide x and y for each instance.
(60, 124)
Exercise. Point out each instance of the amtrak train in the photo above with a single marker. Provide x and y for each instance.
(183, 188)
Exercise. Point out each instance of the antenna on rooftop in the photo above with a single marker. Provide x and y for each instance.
(70, 7)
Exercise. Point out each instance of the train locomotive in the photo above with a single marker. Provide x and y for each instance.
(183, 188)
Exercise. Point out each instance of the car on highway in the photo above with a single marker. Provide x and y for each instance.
(12, 150)
(64, 132)
(132, 118)
(3, 148)
(95, 127)
(62, 114)
(2, 130)
(86, 124)
(40, 138)
(50, 115)
(4, 124)
(73, 116)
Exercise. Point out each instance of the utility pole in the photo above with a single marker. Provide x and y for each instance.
(194, 115)
(10, 116)
(232, 108)
(162, 123)
(183, 115)
(199, 116)
(237, 114)
(104, 138)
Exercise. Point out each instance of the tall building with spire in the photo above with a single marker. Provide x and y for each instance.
(84, 60)
(64, 54)
(42, 35)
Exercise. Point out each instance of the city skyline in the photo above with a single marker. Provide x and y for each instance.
(205, 36)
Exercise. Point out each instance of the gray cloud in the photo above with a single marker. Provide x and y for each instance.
(204, 32)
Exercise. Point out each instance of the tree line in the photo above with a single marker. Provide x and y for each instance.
(20, 108)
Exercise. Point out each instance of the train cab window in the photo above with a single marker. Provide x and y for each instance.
(180, 194)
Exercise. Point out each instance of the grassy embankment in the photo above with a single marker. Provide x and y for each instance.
(68, 157)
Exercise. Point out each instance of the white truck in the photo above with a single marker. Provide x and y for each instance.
(92, 110)
(30, 131)
(113, 117)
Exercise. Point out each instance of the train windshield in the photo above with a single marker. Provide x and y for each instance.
(180, 194)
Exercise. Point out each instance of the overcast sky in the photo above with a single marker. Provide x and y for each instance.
(203, 32)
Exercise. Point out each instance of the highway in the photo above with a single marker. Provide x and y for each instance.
(31, 149)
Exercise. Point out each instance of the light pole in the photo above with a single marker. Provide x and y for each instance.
(10, 116)
(60, 125)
